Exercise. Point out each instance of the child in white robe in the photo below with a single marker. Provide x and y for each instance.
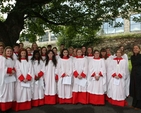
(89, 54)
(80, 74)
(16, 49)
(7, 80)
(43, 53)
(64, 70)
(96, 80)
(29, 51)
(24, 84)
(50, 78)
(117, 81)
(55, 50)
(38, 87)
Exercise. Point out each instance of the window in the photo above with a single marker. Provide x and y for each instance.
(135, 26)
(116, 26)
(44, 37)
(53, 37)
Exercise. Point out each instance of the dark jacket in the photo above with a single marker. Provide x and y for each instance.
(135, 81)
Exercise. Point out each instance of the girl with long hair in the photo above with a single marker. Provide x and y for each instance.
(7, 80)
(24, 84)
(38, 87)
(64, 71)
(49, 77)
(79, 76)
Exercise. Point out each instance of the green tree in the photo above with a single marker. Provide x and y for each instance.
(77, 37)
(32, 17)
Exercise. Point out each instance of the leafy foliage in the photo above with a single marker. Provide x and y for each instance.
(77, 19)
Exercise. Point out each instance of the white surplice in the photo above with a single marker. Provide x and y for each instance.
(38, 87)
(96, 87)
(80, 65)
(49, 77)
(117, 88)
(23, 94)
(6, 85)
(64, 66)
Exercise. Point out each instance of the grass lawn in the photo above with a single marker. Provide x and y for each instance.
(130, 66)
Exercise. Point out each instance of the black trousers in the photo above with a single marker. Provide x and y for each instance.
(136, 103)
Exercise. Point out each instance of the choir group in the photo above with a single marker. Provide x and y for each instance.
(37, 76)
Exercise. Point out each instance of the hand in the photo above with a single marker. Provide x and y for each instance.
(37, 78)
(97, 77)
(79, 76)
(13, 72)
(116, 77)
(25, 80)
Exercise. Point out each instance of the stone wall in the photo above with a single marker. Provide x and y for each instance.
(114, 43)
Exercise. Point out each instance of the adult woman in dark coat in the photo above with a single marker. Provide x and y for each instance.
(135, 81)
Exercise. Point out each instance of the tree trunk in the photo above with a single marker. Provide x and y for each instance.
(10, 29)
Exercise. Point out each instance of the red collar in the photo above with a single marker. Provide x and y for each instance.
(16, 52)
(1, 54)
(65, 57)
(29, 54)
(97, 58)
(118, 59)
(23, 58)
(8, 57)
(43, 55)
(108, 55)
(70, 54)
(89, 55)
(79, 57)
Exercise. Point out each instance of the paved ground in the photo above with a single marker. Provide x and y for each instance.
(79, 108)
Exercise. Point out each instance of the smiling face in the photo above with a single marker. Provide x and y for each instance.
(136, 49)
(9, 52)
(118, 53)
(23, 54)
(16, 49)
(103, 53)
(96, 54)
(50, 55)
(89, 50)
(28, 51)
(44, 50)
(65, 53)
(79, 53)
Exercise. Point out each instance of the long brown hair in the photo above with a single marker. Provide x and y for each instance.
(19, 55)
(4, 53)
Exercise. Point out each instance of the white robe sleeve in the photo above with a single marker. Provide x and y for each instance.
(2, 70)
